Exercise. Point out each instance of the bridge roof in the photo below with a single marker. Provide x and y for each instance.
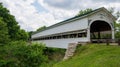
(77, 18)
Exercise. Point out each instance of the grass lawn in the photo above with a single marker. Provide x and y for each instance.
(93, 55)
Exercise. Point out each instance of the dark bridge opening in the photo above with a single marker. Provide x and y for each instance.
(100, 31)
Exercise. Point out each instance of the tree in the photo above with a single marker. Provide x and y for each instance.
(4, 37)
(111, 10)
(30, 34)
(81, 12)
(14, 30)
(22, 35)
(116, 24)
(117, 30)
(117, 14)
(41, 28)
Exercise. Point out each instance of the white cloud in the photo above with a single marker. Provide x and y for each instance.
(27, 15)
(58, 13)
(30, 18)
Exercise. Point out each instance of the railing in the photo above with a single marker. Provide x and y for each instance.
(102, 40)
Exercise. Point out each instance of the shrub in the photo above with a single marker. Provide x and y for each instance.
(54, 54)
(18, 54)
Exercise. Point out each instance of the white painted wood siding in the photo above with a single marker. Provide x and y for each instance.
(75, 25)
(97, 16)
(61, 43)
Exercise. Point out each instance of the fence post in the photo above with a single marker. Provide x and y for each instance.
(98, 41)
(107, 42)
(118, 42)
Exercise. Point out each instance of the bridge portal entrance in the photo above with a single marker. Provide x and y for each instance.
(100, 31)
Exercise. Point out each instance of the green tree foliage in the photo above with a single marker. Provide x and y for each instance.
(22, 35)
(30, 34)
(18, 54)
(41, 28)
(81, 12)
(117, 30)
(14, 30)
(111, 10)
(116, 24)
(117, 14)
(4, 37)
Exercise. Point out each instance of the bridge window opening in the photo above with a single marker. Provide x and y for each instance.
(63, 36)
(59, 37)
(73, 35)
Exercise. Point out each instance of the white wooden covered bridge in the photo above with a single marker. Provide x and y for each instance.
(97, 24)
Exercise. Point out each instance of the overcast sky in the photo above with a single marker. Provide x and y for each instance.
(32, 14)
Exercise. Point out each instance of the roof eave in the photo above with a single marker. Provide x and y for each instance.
(76, 18)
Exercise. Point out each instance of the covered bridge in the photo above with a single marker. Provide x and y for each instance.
(90, 27)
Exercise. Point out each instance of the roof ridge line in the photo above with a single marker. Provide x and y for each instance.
(68, 20)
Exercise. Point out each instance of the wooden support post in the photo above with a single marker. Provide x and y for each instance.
(118, 42)
(107, 42)
(99, 35)
(98, 41)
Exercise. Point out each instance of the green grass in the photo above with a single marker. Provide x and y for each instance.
(93, 55)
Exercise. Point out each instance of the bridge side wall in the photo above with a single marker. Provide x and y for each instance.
(62, 43)
(71, 26)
